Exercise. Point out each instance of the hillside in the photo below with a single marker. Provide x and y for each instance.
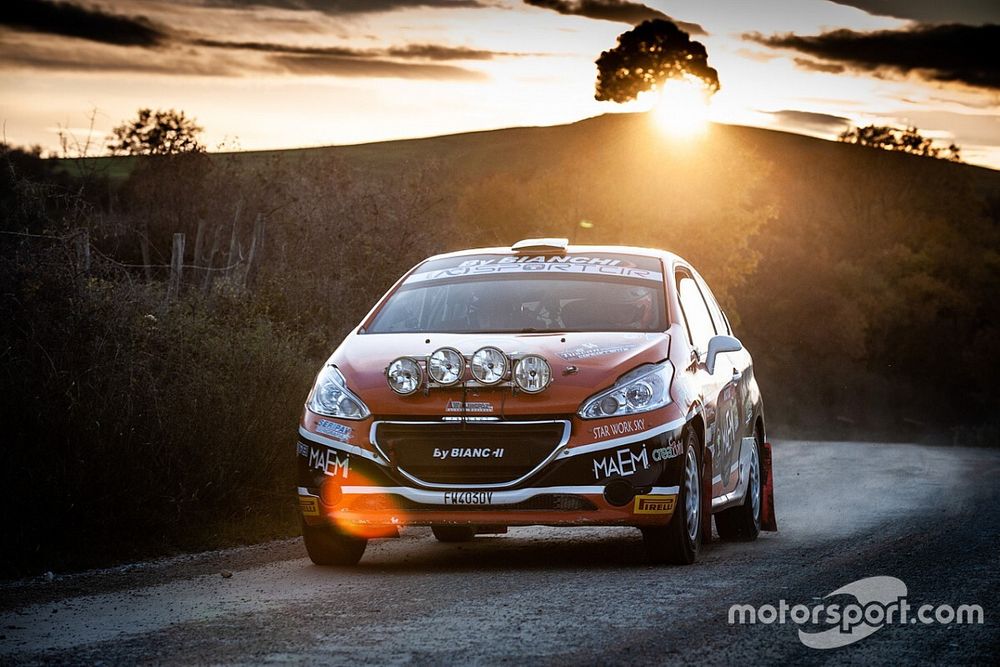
(864, 283)
(821, 250)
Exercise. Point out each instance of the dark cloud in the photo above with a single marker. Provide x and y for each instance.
(947, 53)
(810, 120)
(975, 12)
(439, 52)
(620, 11)
(816, 66)
(369, 67)
(68, 20)
(408, 52)
(180, 53)
(341, 7)
(49, 54)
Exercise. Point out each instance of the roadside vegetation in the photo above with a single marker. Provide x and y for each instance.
(149, 408)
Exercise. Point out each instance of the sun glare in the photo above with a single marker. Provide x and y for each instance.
(682, 108)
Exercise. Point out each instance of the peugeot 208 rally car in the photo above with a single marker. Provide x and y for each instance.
(541, 384)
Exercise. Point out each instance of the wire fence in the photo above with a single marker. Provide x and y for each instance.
(239, 261)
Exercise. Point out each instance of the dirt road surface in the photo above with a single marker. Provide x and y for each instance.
(927, 516)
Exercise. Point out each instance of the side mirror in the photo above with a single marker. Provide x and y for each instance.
(719, 344)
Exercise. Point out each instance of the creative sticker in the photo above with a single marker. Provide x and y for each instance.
(654, 504)
(623, 462)
(335, 430)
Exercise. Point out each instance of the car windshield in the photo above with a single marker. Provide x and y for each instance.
(527, 297)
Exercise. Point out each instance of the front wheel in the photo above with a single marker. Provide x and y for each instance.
(327, 545)
(742, 523)
(678, 542)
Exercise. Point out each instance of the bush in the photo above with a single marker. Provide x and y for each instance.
(137, 427)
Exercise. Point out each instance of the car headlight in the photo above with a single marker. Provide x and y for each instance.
(404, 375)
(331, 397)
(641, 390)
(489, 365)
(446, 366)
(532, 374)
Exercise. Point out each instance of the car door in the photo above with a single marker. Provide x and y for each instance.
(715, 388)
(735, 422)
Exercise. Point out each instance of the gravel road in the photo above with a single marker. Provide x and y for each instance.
(927, 516)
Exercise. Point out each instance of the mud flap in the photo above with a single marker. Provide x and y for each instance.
(706, 497)
(767, 519)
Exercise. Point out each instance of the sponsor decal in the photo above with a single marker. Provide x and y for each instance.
(623, 462)
(588, 350)
(619, 428)
(654, 504)
(469, 406)
(542, 259)
(468, 497)
(331, 462)
(303, 449)
(309, 506)
(674, 449)
(335, 430)
(469, 453)
(527, 267)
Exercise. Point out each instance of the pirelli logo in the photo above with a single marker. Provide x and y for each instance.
(654, 504)
(309, 506)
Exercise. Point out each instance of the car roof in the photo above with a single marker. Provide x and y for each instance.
(669, 257)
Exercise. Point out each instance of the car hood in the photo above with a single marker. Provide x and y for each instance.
(582, 364)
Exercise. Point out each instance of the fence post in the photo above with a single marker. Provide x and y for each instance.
(144, 247)
(176, 266)
(207, 280)
(199, 244)
(82, 240)
(255, 247)
(235, 250)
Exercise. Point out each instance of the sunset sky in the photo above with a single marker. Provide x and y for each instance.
(289, 73)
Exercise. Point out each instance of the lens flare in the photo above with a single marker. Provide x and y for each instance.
(682, 108)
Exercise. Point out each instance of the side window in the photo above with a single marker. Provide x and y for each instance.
(699, 321)
(718, 317)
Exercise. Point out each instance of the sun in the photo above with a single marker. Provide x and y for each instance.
(681, 109)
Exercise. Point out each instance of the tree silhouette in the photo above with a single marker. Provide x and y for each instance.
(908, 140)
(648, 55)
(156, 133)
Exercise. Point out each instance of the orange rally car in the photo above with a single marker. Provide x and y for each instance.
(541, 384)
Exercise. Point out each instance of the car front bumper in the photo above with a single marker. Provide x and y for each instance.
(630, 481)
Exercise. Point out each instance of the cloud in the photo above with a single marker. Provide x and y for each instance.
(950, 53)
(975, 12)
(330, 65)
(342, 7)
(68, 20)
(436, 52)
(621, 11)
(810, 120)
(51, 55)
(39, 28)
(816, 66)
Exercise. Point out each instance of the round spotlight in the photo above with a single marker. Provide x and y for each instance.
(532, 374)
(446, 366)
(489, 365)
(404, 375)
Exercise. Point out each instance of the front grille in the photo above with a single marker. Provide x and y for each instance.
(552, 502)
(468, 452)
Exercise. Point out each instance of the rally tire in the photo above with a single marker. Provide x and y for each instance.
(328, 546)
(454, 533)
(742, 523)
(679, 542)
